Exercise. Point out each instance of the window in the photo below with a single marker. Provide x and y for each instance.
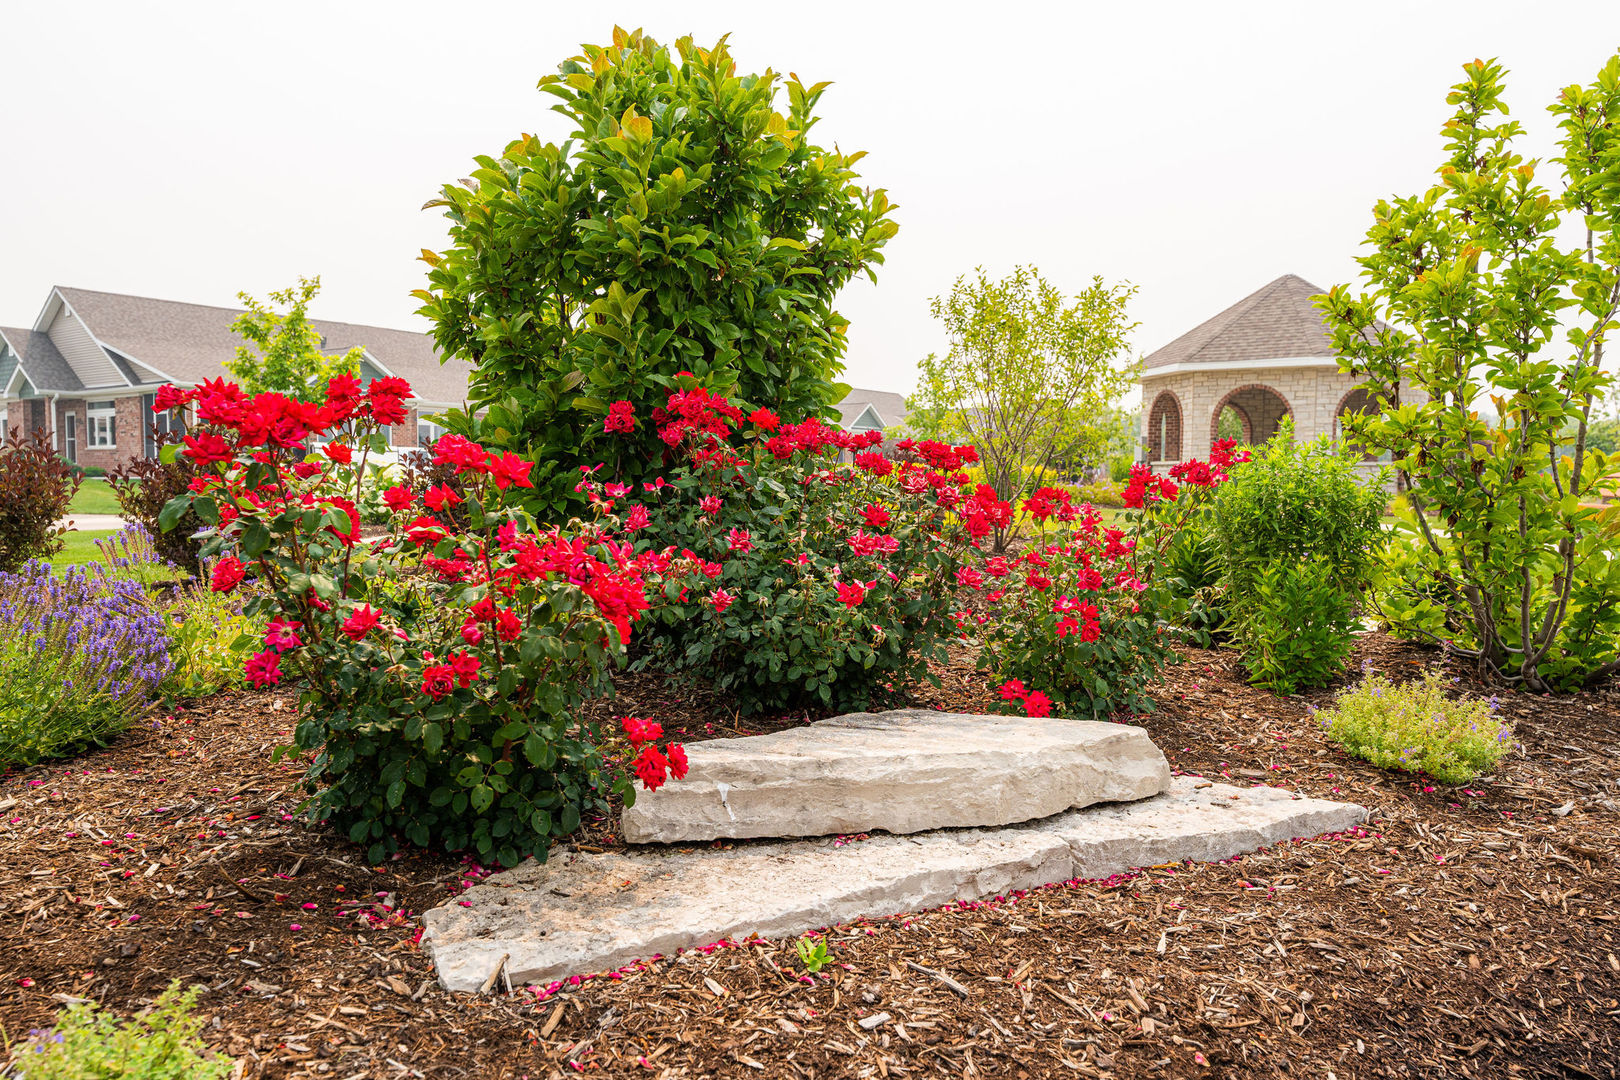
(427, 431)
(101, 425)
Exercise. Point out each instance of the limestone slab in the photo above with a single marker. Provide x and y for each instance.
(905, 771)
(582, 913)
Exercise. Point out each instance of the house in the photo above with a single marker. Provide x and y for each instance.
(85, 372)
(1266, 357)
(871, 410)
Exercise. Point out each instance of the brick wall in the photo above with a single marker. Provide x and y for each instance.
(129, 438)
(1312, 395)
(70, 407)
(403, 434)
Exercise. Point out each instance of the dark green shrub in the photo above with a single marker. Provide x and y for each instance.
(1297, 624)
(686, 225)
(1195, 592)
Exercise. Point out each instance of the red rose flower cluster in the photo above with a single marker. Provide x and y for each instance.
(653, 763)
(1073, 614)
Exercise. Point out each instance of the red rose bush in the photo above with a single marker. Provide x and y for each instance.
(1074, 625)
(790, 577)
(441, 666)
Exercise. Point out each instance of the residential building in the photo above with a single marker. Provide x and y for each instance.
(1266, 357)
(871, 410)
(84, 373)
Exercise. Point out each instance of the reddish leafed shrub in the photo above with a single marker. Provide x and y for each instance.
(35, 489)
(144, 486)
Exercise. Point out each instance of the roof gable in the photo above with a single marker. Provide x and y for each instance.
(887, 406)
(187, 343)
(1275, 321)
(44, 365)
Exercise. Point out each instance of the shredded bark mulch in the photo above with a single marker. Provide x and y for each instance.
(1467, 931)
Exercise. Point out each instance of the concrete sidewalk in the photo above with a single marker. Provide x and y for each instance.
(93, 522)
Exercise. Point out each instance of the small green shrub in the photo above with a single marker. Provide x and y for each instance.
(1417, 728)
(1195, 593)
(1289, 508)
(813, 954)
(1298, 626)
(1100, 494)
(163, 1043)
(210, 640)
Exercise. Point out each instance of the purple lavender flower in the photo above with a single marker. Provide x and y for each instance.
(81, 656)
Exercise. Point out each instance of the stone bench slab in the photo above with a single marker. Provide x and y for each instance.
(582, 913)
(905, 771)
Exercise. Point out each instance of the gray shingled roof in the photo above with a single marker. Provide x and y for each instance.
(1277, 320)
(46, 369)
(190, 342)
(890, 407)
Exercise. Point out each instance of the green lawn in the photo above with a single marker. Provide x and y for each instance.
(95, 496)
(81, 547)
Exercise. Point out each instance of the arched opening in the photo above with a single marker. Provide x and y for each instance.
(1355, 403)
(1255, 411)
(1164, 428)
(1233, 423)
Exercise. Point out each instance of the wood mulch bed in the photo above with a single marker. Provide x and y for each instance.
(1467, 932)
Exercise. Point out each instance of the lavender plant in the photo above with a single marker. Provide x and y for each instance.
(132, 553)
(82, 653)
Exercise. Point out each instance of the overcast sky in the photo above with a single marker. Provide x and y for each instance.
(190, 151)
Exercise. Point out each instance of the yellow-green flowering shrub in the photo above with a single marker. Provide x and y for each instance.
(210, 638)
(164, 1043)
(1417, 728)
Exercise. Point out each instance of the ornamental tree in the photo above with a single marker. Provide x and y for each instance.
(284, 352)
(1456, 336)
(686, 225)
(1029, 371)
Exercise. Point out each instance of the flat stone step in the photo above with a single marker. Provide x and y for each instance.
(905, 771)
(582, 913)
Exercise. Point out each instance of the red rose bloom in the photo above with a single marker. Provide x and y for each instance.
(360, 622)
(875, 516)
(207, 448)
(1037, 704)
(437, 680)
(263, 669)
(650, 768)
(676, 754)
(621, 417)
(228, 574)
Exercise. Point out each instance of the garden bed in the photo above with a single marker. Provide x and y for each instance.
(1462, 934)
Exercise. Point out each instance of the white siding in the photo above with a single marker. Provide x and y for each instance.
(87, 359)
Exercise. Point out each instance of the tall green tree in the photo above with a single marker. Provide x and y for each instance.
(284, 352)
(1030, 376)
(1467, 286)
(687, 225)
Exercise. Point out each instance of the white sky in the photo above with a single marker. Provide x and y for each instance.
(189, 151)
